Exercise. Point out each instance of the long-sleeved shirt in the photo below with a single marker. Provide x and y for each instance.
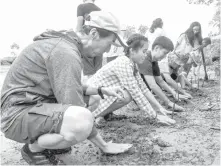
(48, 69)
(124, 73)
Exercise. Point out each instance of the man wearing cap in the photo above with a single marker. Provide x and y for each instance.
(42, 95)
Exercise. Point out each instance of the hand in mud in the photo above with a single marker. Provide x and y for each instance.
(114, 91)
(176, 107)
(114, 148)
(188, 95)
(165, 120)
(194, 86)
(164, 111)
(176, 96)
(183, 97)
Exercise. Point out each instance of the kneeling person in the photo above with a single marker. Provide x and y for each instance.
(123, 72)
(150, 70)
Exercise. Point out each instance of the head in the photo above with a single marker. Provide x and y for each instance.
(194, 32)
(100, 31)
(206, 41)
(161, 47)
(85, 1)
(157, 23)
(137, 48)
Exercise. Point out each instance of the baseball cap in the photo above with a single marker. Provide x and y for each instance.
(106, 20)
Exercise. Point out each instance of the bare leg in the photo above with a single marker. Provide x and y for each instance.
(76, 127)
(117, 104)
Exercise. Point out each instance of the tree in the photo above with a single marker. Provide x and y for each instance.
(215, 22)
(14, 47)
(129, 31)
(143, 29)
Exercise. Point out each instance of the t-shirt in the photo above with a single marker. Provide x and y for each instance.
(86, 8)
(148, 67)
(164, 65)
(91, 65)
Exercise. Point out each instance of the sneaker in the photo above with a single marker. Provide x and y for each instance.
(111, 116)
(60, 151)
(39, 158)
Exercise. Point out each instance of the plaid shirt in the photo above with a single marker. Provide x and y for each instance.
(124, 73)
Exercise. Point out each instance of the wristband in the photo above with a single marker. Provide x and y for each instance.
(100, 92)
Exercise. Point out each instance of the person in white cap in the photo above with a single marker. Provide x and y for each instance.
(43, 98)
(116, 51)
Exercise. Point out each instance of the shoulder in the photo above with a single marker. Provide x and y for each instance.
(80, 6)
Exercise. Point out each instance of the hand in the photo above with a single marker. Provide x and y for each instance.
(114, 148)
(176, 107)
(113, 91)
(165, 120)
(164, 111)
(183, 97)
(189, 96)
(175, 96)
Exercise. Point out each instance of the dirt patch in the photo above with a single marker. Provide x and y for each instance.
(193, 140)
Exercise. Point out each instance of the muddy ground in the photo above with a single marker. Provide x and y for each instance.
(193, 140)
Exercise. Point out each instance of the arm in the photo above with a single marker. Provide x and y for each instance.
(124, 71)
(164, 85)
(156, 89)
(147, 93)
(112, 91)
(172, 83)
(64, 71)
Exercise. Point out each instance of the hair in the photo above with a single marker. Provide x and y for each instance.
(102, 32)
(190, 34)
(135, 42)
(157, 23)
(86, 0)
(208, 40)
(164, 42)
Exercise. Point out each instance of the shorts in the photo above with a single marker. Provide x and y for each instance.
(35, 121)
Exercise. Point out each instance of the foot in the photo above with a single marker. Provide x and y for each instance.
(176, 107)
(39, 158)
(60, 151)
(114, 148)
(112, 116)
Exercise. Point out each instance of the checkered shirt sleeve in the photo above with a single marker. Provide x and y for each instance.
(124, 71)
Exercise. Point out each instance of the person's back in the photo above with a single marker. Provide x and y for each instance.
(33, 78)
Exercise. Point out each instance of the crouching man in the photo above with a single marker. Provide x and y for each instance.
(42, 96)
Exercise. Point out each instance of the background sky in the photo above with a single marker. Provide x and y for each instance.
(21, 20)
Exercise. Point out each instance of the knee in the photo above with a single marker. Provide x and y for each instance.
(127, 98)
(77, 124)
(94, 102)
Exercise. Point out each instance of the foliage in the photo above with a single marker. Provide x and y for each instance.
(143, 29)
(215, 48)
(14, 45)
(129, 31)
(215, 22)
